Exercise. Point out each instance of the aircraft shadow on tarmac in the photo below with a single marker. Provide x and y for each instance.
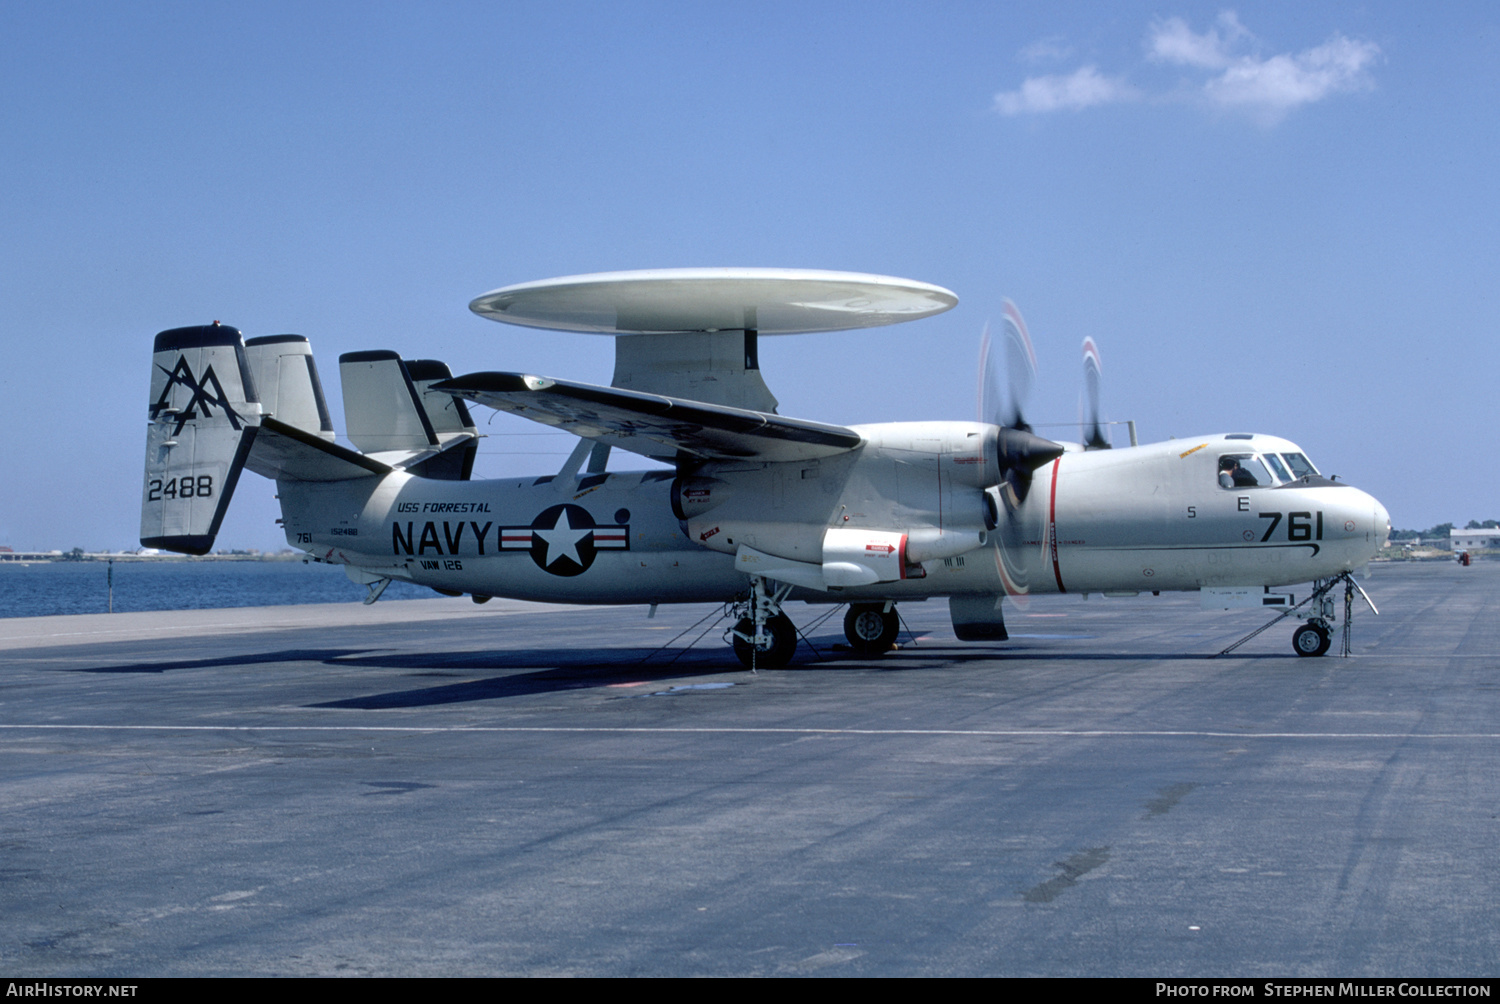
(586, 669)
(238, 659)
(552, 670)
(576, 669)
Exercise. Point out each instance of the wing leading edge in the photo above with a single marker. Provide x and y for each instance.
(663, 428)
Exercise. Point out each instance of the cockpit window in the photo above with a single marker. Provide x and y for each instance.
(1243, 470)
(1300, 466)
(1278, 467)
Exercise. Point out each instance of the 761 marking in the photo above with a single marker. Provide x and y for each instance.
(1300, 526)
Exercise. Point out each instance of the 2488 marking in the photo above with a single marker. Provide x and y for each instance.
(185, 487)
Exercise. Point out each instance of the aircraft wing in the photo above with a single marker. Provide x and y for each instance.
(662, 428)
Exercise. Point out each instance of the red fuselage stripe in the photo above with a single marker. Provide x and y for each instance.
(1052, 528)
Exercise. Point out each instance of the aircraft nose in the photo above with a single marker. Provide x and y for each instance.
(1382, 523)
(1360, 506)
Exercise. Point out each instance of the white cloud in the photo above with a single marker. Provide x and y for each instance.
(1269, 88)
(1082, 88)
(1172, 41)
(1225, 66)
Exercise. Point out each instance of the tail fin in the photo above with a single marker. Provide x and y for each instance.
(204, 416)
(383, 410)
(295, 441)
(392, 413)
(450, 420)
(287, 378)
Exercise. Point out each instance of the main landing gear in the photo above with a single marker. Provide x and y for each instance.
(763, 636)
(872, 627)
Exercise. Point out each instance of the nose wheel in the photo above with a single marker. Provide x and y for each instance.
(1311, 639)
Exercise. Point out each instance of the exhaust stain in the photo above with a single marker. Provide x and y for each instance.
(1073, 869)
(1166, 798)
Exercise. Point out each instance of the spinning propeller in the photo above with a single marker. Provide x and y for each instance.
(1021, 452)
(1094, 438)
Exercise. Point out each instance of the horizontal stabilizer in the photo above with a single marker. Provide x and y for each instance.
(287, 453)
(662, 428)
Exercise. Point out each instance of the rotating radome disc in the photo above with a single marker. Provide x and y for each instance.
(772, 301)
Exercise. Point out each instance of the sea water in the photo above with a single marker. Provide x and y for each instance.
(42, 588)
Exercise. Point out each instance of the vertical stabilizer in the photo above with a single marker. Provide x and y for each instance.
(450, 420)
(446, 411)
(286, 378)
(392, 412)
(204, 413)
(383, 409)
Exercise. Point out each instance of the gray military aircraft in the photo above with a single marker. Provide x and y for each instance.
(757, 509)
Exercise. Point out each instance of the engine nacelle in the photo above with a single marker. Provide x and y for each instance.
(859, 557)
(862, 557)
(694, 496)
(969, 452)
(856, 557)
(930, 543)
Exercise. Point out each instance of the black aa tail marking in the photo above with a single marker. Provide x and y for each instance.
(182, 374)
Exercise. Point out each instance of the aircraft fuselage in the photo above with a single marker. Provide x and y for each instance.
(1146, 518)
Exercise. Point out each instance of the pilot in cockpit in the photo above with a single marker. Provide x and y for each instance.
(1232, 475)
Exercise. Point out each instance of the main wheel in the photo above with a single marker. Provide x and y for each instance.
(1310, 639)
(871, 628)
(783, 643)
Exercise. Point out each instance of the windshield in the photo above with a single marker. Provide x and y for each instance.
(1300, 465)
(1278, 467)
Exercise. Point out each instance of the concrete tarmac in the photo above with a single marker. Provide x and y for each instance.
(435, 788)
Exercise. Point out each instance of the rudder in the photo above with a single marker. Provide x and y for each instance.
(286, 378)
(204, 413)
(392, 413)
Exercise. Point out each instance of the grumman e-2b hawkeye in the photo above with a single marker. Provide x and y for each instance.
(757, 509)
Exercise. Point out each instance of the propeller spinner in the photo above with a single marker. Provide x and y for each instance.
(1021, 452)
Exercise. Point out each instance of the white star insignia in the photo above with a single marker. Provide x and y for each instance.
(562, 540)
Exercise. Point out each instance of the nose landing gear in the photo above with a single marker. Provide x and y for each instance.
(1311, 639)
(1315, 635)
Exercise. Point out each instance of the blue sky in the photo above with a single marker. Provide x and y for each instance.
(1279, 218)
